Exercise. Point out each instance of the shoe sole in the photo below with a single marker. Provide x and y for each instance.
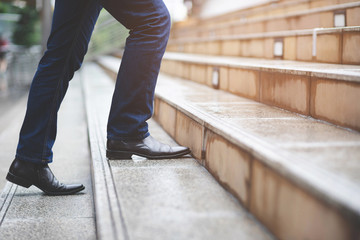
(62, 193)
(125, 155)
(26, 184)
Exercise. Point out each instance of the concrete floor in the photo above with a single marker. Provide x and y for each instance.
(33, 215)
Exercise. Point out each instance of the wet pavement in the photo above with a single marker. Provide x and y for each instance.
(28, 213)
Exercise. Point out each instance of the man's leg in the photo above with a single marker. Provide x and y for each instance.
(73, 23)
(132, 104)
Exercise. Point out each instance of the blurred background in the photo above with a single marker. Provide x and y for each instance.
(20, 46)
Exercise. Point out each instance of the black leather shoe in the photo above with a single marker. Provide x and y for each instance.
(148, 147)
(26, 174)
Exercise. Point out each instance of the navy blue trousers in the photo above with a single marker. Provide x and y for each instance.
(132, 103)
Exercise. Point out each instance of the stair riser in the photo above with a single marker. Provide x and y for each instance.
(287, 210)
(322, 98)
(295, 8)
(324, 19)
(333, 47)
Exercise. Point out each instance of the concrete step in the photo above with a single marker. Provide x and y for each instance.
(322, 91)
(297, 175)
(328, 45)
(156, 199)
(270, 9)
(339, 15)
(28, 214)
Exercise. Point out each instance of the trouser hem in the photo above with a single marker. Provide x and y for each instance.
(141, 137)
(32, 160)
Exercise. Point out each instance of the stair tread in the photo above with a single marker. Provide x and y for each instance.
(321, 70)
(316, 155)
(155, 197)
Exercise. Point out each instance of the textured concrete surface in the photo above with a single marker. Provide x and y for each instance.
(33, 215)
(178, 199)
(167, 199)
(98, 88)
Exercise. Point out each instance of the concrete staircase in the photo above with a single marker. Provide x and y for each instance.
(157, 199)
(282, 133)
